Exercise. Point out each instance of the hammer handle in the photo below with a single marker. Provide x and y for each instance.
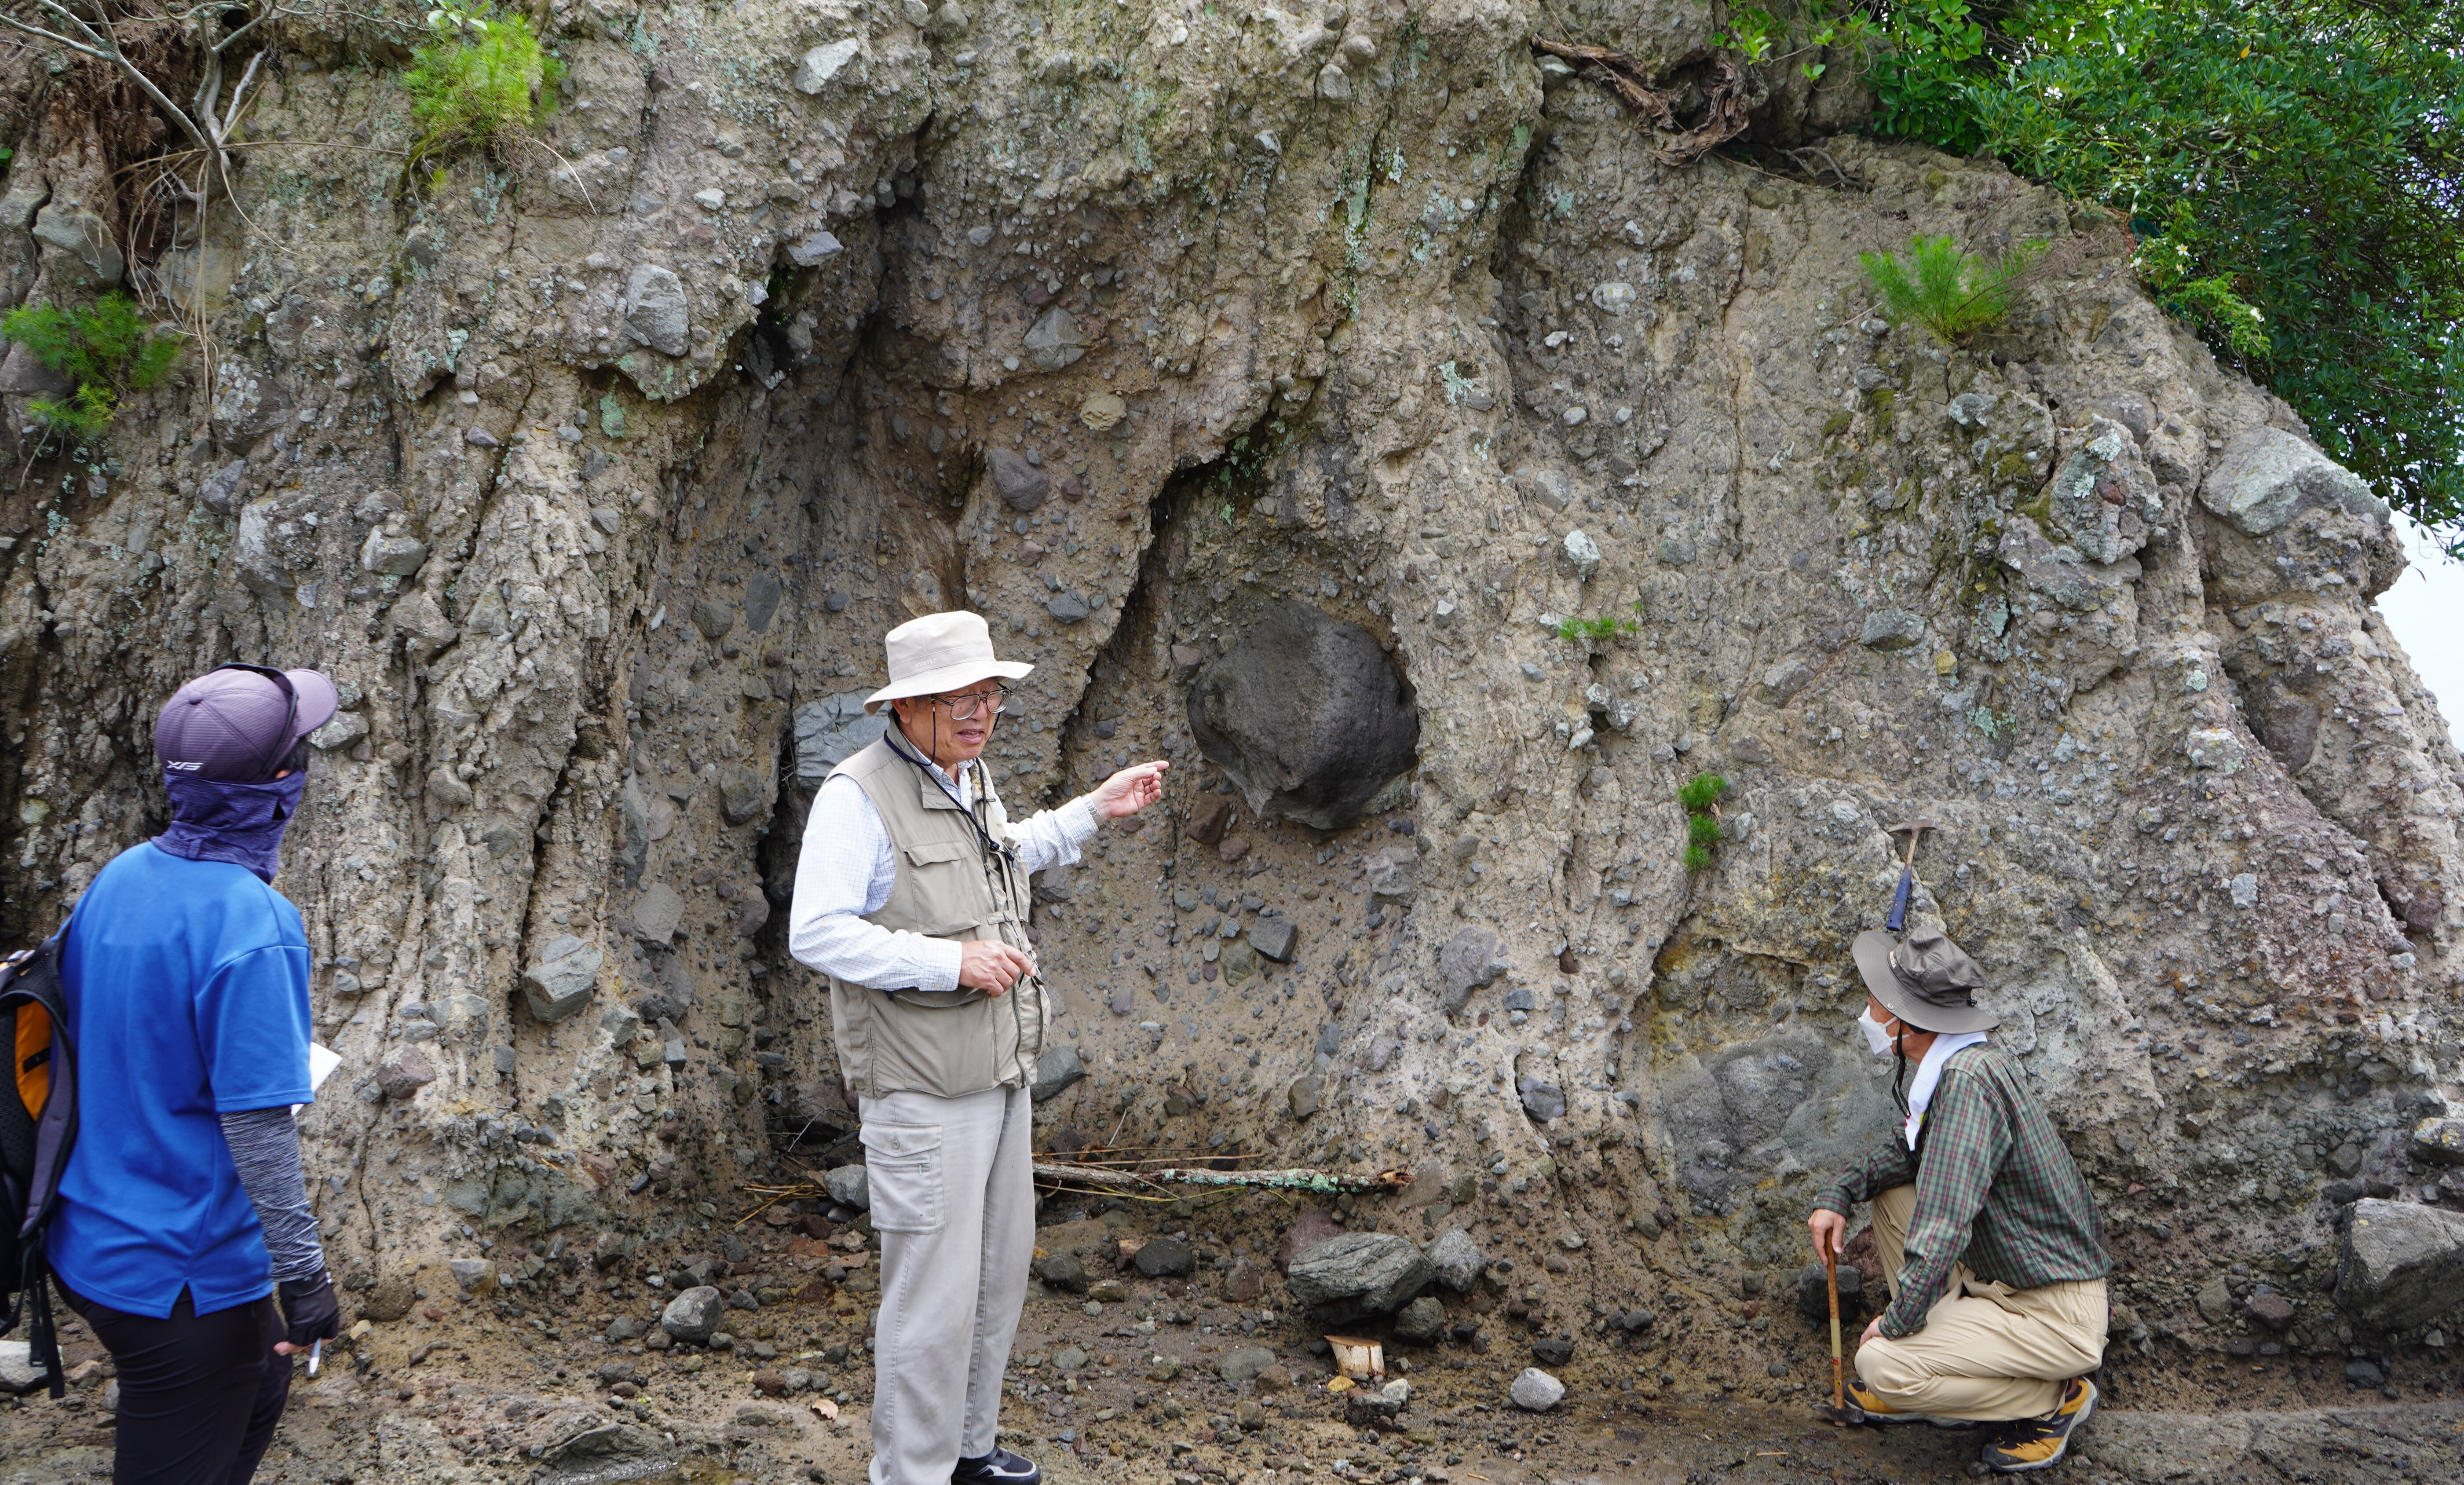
(1839, 1383)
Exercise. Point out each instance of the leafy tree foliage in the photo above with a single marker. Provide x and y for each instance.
(2295, 171)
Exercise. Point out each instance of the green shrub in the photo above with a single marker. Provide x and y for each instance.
(1701, 796)
(484, 77)
(1605, 626)
(106, 350)
(1952, 293)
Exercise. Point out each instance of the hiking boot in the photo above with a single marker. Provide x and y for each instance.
(2039, 1443)
(1865, 1400)
(1001, 1467)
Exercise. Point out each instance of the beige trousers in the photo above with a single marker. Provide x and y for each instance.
(1988, 1352)
(954, 1202)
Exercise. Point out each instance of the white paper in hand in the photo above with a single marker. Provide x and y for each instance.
(322, 1062)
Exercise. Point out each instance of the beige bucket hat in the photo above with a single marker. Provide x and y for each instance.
(939, 653)
(1924, 980)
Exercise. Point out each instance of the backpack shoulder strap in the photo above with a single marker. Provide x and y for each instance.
(40, 1080)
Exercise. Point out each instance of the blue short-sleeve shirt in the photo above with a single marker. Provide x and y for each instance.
(187, 985)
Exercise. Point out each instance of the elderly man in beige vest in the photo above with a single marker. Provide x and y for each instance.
(911, 896)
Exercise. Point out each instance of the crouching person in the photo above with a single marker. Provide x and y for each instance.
(1989, 1238)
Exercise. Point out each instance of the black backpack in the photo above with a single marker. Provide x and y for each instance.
(37, 1129)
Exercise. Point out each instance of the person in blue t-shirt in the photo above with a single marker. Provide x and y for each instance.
(182, 1212)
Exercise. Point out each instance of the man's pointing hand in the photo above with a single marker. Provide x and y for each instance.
(1131, 790)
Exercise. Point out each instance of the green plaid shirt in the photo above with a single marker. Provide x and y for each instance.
(1995, 1189)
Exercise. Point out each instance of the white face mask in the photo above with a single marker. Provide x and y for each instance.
(1876, 1037)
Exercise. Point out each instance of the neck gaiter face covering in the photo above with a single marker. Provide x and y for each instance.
(217, 820)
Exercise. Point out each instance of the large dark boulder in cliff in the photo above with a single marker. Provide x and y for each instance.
(1306, 715)
(2402, 1265)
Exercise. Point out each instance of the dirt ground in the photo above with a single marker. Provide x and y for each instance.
(1123, 1381)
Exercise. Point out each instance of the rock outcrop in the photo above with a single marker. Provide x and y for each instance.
(1256, 373)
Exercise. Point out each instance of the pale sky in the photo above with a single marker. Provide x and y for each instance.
(2425, 611)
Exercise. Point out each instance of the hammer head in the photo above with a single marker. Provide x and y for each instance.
(1910, 826)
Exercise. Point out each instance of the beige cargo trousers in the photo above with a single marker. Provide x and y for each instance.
(1987, 1353)
(954, 1202)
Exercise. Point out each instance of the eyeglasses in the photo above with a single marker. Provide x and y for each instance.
(968, 703)
(289, 713)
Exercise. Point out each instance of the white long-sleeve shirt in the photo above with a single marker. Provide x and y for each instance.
(847, 867)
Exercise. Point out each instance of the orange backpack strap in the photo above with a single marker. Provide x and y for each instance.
(31, 1059)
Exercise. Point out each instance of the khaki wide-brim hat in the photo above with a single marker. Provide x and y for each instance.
(1924, 980)
(939, 653)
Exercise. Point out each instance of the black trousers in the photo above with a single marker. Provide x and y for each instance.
(199, 1394)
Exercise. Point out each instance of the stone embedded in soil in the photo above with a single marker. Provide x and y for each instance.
(1364, 1409)
(474, 1275)
(1023, 487)
(387, 1301)
(1891, 628)
(1069, 1358)
(1302, 1095)
(1814, 1292)
(1467, 963)
(714, 620)
(1456, 1261)
(1553, 1351)
(1054, 1071)
(1165, 1258)
(2401, 1265)
(849, 1185)
(817, 68)
(1245, 1362)
(1208, 823)
(2439, 1141)
(1543, 1101)
(1423, 1319)
(404, 1072)
(561, 980)
(1062, 1270)
(1359, 1273)
(1535, 1391)
(18, 1372)
(2265, 476)
(832, 730)
(694, 1315)
(1274, 936)
(392, 556)
(216, 490)
(2269, 1309)
(656, 311)
(1306, 715)
(657, 913)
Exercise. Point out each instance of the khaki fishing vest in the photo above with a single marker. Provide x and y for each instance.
(949, 1043)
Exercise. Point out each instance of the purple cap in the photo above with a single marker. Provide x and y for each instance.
(236, 724)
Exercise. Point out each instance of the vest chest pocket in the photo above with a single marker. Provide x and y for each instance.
(903, 1176)
(946, 887)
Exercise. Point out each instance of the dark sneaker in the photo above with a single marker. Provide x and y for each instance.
(1001, 1467)
(1865, 1400)
(2039, 1443)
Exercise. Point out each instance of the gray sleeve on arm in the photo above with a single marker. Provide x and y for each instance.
(265, 1146)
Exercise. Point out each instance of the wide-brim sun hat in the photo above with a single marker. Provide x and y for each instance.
(1924, 980)
(941, 652)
